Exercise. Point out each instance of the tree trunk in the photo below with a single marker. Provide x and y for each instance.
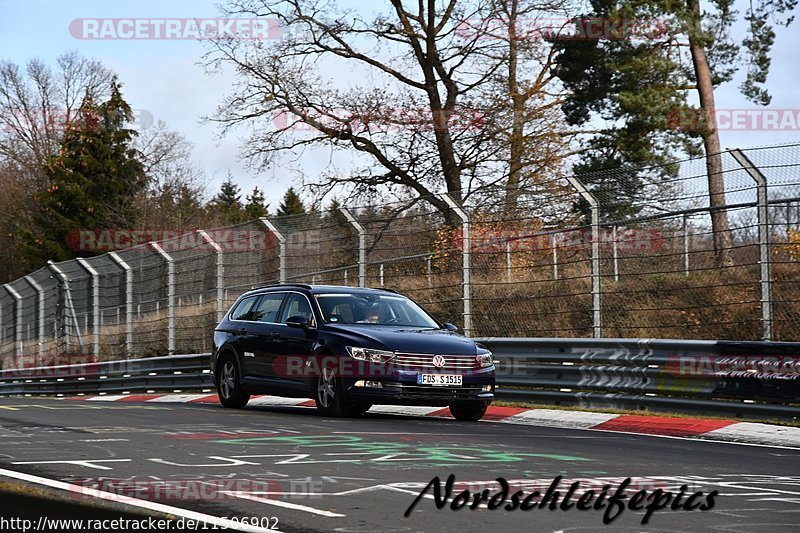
(516, 140)
(723, 242)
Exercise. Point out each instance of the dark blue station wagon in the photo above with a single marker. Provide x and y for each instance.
(348, 349)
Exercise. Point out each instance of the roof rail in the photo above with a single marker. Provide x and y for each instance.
(302, 285)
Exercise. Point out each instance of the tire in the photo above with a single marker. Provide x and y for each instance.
(469, 411)
(229, 385)
(329, 396)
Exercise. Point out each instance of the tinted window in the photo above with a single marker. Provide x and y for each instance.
(297, 305)
(242, 309)
(267, 309)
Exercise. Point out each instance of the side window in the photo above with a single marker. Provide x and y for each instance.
(267, 308)
(297, 305)
(242, 310)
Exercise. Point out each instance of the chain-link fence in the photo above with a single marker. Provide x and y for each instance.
(629, 253)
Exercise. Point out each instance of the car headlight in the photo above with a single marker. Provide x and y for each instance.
(368, 354)
(485, 359)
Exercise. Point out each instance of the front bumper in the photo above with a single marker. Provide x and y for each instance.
(402, 388)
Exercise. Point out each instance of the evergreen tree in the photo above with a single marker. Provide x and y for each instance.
(93, 181)
(640, 83)
(255, 207)
(227, 204)
(291, 204)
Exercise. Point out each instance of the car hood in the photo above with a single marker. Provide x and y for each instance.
(407, 340)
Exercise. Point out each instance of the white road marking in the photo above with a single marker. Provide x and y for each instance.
(135, 502)
(86, 463)
(281, 503)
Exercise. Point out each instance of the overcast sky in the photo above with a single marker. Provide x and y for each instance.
(163, 78)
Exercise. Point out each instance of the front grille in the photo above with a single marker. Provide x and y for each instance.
(432, 393)
(425, 362)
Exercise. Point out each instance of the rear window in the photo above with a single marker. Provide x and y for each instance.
(242, 310)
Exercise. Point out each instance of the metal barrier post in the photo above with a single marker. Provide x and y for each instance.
(597, 314)
(40, 297)
(95, 304)
(128, 300)
(220, 273)
(362, 248)
(466, 258)
(281, 248)
(170, 295)
(763, 242)
(17, 318)
(68, 306)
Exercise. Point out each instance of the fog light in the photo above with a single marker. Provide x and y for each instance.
(373, 384)
(487, 388)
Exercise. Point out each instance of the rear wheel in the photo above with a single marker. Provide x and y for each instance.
(229, 387)
(469, 411)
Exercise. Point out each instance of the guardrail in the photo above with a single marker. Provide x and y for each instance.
(156, 374)
(759, 379)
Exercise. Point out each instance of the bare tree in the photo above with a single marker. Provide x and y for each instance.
(405, 90)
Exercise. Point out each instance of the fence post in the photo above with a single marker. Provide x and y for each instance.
(281, 248)
(554, 245)
(508, 260)
(616, 253)
(170, 295)
(128, 300)
(763, 241)
(597, 314)
(686, 244)
(40, 298)
(17, 318)
(68, 305)
(220, 274)
(362, 247)
(466, 261)
(95, 303)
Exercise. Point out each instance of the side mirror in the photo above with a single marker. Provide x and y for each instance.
(450, 327)
(297, 322)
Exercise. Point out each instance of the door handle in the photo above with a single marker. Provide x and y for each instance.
(242, 331)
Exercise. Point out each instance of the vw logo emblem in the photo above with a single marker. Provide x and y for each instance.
(438, 361)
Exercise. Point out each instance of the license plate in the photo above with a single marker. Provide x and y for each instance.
(439, 380)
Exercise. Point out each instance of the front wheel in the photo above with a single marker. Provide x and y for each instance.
(469, 411)
(330, 399)
(229, 387)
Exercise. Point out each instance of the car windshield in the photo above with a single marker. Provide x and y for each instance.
(377, 309)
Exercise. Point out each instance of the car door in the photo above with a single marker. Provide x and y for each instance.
(263, 329)
(294, 345)
(242, 331)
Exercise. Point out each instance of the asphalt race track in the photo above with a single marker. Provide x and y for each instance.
(304, 472)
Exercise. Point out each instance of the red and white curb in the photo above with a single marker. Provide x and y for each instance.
(697, 428)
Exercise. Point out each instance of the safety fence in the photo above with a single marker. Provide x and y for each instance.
(738, 378)
(628, 253)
